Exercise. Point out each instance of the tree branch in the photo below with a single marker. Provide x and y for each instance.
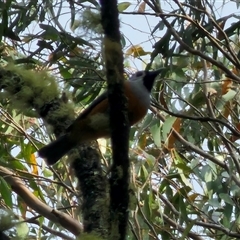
(119, 180)
(44, 99)
(220, 65)
(19, 187)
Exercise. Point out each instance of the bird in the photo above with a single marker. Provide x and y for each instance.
(93, 122)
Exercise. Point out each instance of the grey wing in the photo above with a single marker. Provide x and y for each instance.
(85, 112)
(99, 99)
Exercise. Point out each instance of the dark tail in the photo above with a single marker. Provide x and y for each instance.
(56, 149)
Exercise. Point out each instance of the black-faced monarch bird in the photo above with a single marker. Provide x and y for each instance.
(93, 122)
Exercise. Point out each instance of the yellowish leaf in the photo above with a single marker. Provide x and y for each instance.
(123, 6)
(142, 141)
(192, 197)
(136, 51)
(199, 65)
(33, 163)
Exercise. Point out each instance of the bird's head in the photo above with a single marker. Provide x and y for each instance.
(147, 77)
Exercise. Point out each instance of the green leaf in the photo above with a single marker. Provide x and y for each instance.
(6, 192)
(187, 36)
(123, 41)
(144, 172)
(81, 41)
(16, 164)
(77, 62)
(22, 230)
(167, 126)
(226, 198)
(95, 3)
(50, 32)
(225, 174)
(47, 173)
(156, 133)
(207, 174)
(123, 6)
(148, 121)
(159, 26)
(210, 144)
(183, 62)
(48, 28)
(147, 205)
(214, 202)
(212, 166)
(150, 160)
(7, 4)
(75, 24)
(229, 95)
(4, 23)
(187, 229)
(6, 218)
(42, 15)
(227, 215)
(65, 73)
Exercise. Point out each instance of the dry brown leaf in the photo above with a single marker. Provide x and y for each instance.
(142, 7)
(171, 138)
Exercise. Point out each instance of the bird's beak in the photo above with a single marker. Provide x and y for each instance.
(156, 72)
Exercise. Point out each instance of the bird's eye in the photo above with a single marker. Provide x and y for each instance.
(139, 74)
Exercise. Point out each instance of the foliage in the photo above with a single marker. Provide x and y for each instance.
(185, 153)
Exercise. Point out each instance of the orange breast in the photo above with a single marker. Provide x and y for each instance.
(136, 110)
(96, 123)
